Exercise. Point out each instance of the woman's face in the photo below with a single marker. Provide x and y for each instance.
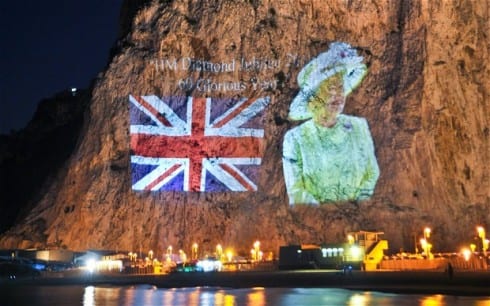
(328, 102)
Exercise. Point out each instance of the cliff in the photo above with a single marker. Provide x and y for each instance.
(426, 98)
(30, 158)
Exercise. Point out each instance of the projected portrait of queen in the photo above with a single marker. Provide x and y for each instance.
(330, 157)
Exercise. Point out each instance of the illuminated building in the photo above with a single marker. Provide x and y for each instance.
(363, 250)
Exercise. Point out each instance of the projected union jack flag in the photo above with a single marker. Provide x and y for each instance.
(195, 144)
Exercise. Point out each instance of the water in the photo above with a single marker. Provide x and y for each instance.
(142, 295)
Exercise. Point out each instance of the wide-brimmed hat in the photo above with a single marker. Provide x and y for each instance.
(340, 57)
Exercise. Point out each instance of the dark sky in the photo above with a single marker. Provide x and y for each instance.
(49, 46)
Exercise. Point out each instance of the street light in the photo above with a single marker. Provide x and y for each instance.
(426, 246)
(132, 256)
(219, 251)
(229, 255)
(466, 253)
(484, 241)
(481, 232)
(169, 253)
(427, 233)
(253, 254)
(350, 239)
(194, 251)
(423, 243)
(183, 256)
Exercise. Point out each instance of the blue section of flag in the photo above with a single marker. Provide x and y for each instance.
(136, 116)
(214, 185)
(177, 183)
(138, 171)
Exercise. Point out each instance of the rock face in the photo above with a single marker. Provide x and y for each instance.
(31, 158)
(426, 99)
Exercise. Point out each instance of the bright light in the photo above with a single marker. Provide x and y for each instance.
(219, 251)
(360, 299)
(427, 232)
(481, 231)
(91, 265)
(350, 239)
(481, 234)
(208, 265)
(355, 252)
(466, 253)
(39, 266)
(229, 255)
(133, 256)
(426, 246)
(256, 250)
(182, 256)
(89, 296)
(433, 300)
(194, 251)
(109, 265)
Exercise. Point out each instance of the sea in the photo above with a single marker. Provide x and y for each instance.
(146, 295)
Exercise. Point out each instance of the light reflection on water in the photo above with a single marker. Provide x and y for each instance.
(146, 295)
(206, 296)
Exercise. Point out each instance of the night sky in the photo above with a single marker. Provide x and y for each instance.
(49, 46)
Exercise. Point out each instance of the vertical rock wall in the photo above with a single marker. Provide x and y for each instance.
(426, 98)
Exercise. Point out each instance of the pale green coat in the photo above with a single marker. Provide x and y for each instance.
(330, 164)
